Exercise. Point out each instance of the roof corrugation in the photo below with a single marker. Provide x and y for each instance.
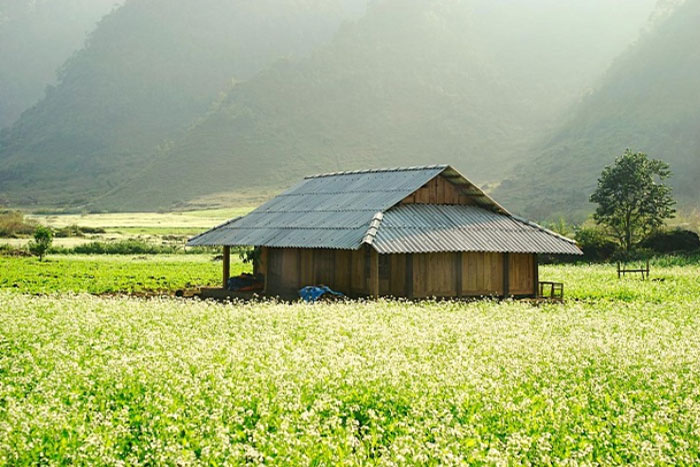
(346, 209)
(323, 211)
(430, 228)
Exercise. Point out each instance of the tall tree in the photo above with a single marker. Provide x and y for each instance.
(632, 198)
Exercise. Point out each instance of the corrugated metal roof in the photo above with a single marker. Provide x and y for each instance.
(429, 228)
(345, 210)
(324, 211)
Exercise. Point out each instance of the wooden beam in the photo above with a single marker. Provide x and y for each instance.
(299, 260)
(350, 271)
(506, 275)
(368, 271)
(265, 259)
(409, 276)
(227, 266)
(374, 274)
(536, 273)
(459, 261)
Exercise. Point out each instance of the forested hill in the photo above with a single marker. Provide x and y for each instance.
(173, 99)
(149, 70)
(464, 82)
(649, 101)
(36, 37)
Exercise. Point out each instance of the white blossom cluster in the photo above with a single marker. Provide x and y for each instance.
(123, 381)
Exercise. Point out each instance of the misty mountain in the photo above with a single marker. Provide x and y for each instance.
(149, 70)
(649, 101)
(463, 82)
(36, 37)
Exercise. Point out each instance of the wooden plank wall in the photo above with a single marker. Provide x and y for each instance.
(482, 274)
(439, 191)
(448, 275)
(358, 273)
(290, 269)
(522, 274)
(434, 275)
(442, 275)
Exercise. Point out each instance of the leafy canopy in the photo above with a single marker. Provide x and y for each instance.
(632, 199)
(43, 238)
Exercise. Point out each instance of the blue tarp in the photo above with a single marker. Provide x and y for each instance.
(311, 294)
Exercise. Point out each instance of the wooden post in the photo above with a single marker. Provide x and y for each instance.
(265, 269)
(367, 283)
(506, 275)
(227, 266)
(374, 275)
(459, 260)
(372, 272)
(351, 258)
(648, 269)
(409, 276)
(536, 273)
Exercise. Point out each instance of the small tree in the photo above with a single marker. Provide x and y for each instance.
(43, 238)
(632, 199)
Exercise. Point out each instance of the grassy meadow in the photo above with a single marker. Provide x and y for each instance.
(91, 372)
(102, 274)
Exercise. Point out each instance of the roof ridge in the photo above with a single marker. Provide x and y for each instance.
(373, 228)
(390, 169)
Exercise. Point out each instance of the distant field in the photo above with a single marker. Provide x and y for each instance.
(112, 274)
(58, 242)
(611, 377)
(171, 228)
(196, 220)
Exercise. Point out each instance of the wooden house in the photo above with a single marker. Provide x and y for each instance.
(413, 232)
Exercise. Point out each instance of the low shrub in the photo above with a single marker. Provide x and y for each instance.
(123, 247)
(673, 241)
(77, 231)
(596, 246)
(14, 224)
(203, 250)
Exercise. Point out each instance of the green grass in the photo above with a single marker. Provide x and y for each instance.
(610, 377)
(104, 274)
(670, 278)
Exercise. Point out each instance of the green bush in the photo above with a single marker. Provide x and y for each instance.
(123, 247)
(595, 244)
(77, 231)
(673, 241)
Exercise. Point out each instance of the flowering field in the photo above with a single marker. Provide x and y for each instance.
(611, 377)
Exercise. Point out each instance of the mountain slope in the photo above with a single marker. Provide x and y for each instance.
(649, 101)
(150, 69)
(36, 37)
(461, 82)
